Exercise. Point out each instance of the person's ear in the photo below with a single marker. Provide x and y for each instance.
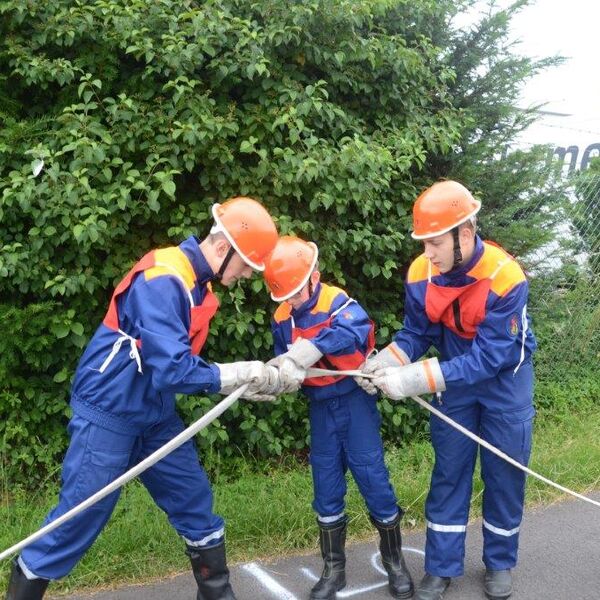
(466, 234)
(315, 277)
(221, 248)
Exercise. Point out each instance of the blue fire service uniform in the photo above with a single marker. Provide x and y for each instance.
(476, 317)
(123, 400)
(344, 419)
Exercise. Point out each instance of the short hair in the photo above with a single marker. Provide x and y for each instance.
(470, 223)
(213, 238)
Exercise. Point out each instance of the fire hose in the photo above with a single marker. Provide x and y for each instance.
(323, 372)
(184, 436)
(220, 408)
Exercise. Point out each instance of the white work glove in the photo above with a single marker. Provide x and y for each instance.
(422, 377)
(391, 356)
(293, 364)
(266, 389)
(235, 374)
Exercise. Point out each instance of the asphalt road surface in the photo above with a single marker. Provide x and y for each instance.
(559, 560)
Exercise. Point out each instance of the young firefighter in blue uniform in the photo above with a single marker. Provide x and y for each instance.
(319, 325)
(468, 299)
(123, 399)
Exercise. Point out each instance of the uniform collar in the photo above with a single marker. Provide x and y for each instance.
(466, 267)
(310, 303)
(191, 248)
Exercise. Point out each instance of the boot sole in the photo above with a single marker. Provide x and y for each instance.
(503, 597)
(403, 595)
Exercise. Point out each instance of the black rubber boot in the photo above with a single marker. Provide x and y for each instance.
(211, 572)
(21, 588)
(432, 587)
(390, 546)
(332, 537)
(498, 584)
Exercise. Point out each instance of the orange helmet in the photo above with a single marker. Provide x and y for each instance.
(441, 208)
(248, 227)
(289, 266)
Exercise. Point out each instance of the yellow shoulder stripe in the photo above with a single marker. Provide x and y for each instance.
(172, 261)
(507, 278)
(419, 270)
(328, 294)
(508, 275)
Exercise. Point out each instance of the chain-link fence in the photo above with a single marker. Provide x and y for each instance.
(565, 281)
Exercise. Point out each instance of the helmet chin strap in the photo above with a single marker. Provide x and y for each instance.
(226, 262)
(458, 257)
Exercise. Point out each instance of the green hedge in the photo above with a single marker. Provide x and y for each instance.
(139, 115)
(144, 114)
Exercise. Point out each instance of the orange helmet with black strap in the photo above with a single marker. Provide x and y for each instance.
(248, 227)
(290, 266)
(440, 209)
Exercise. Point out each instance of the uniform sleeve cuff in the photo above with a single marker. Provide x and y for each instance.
(215, 386)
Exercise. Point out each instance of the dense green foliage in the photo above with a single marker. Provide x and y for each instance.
(122, 122)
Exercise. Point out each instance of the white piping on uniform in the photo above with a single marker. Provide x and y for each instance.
(343, 306)
(524, 327)
(333, 314)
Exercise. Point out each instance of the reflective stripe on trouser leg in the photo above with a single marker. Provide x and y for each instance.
(447, 505)
(330, 519)
(504, 491)
(179, 485)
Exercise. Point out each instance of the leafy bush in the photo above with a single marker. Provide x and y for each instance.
(124, 121)
(138, 116)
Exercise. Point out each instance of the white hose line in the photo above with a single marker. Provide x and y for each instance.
(323, 372)
(184, 436)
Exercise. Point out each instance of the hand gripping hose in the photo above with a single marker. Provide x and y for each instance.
(322, 372)
(184, 436)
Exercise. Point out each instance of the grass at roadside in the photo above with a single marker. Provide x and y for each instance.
(268, 512)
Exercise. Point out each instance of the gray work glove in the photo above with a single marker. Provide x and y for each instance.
(235, 374)
(292, 365)
(422, 377)
(391, 356)
(265, 389)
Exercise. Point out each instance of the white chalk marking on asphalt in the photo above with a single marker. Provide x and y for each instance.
(309, 573)
(273, 586)
(354, 592)
(346, 593)
(380, 568)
